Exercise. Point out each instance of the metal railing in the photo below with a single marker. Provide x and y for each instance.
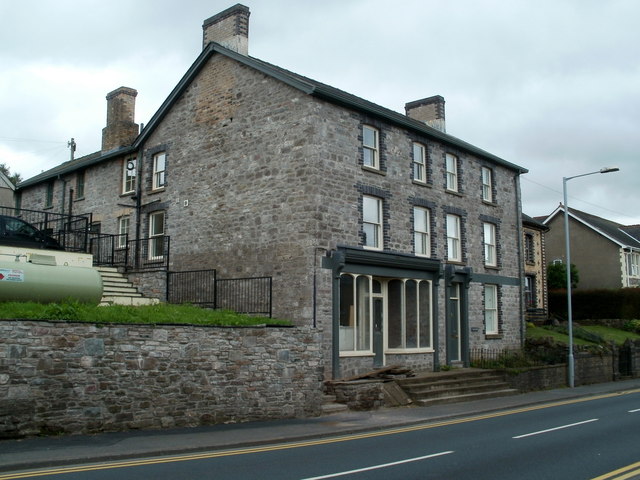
(197, 287)
(109, 250)
(142, 255)
(71, 231)
(148, 254)
(245, 295)
(202, 287)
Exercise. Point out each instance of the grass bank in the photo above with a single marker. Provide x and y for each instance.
(152, 314)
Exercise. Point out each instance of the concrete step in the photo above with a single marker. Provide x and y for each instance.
(444, 391)
(128, 300)
(124, 289)
(425, 385)
(458, 385)
(330, 405)
(466, 397)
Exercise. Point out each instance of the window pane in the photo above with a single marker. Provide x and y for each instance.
(453, 238)
(395, 328)
(411, 314)
(370, 235)
(421, 231)
(419, 171)
(363, 316)
(347, 313)
(452, 172)
(370, 146)
(424, 292)
(369, 137)
(372, 225)
(371, 209)
(491, 309)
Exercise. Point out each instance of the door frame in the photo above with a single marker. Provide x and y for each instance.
(457, 277)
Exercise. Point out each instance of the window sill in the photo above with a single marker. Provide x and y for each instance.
(408, 351)
(156, 190)
(355, 354)
(488, 203)
(494, 268)
(421, 183)
(493, 336)
(374, 170)
(454, 192)
(79, 199)
(455, 262)
(127, 194)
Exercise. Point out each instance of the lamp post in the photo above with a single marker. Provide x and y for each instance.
(570, 361)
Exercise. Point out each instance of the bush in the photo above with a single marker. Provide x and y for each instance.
(632, 326)
(623, 303)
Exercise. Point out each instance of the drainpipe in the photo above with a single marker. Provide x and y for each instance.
(138, 204)
(516, 181)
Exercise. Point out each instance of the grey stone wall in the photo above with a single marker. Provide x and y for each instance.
(58, 377)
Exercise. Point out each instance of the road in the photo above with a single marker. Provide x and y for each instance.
(575, 439)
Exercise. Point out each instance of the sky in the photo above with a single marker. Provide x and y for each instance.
(550, 85)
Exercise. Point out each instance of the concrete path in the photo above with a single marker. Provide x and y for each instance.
(54, 451)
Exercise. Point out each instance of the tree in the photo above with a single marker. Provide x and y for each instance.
(14, 177)
(557, 276)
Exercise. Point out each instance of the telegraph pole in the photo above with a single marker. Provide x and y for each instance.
(72, 146)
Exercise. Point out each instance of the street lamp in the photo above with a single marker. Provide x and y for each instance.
(570, 363)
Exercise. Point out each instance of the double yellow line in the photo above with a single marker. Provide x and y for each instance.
(320, 441)
(630, 471)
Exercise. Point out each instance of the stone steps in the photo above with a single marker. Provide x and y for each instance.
(329, 405)
(460, 385)
(118, 290)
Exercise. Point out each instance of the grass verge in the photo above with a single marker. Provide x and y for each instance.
(152, 314)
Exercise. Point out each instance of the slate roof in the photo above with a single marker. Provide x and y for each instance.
(534, 223)
(304, 84)
(616, 232)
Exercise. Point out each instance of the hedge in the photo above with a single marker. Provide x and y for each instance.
(623, 303)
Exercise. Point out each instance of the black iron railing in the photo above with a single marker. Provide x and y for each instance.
(202, 287)
(245, 295)
(109, 250)
(197, 287)
(148, 254)
(71, 231)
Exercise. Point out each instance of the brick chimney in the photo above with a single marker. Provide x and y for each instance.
(428, 110)
(229, 28)
(121, 130)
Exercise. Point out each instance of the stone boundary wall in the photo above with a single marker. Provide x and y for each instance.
(588, 368)
(76, 378)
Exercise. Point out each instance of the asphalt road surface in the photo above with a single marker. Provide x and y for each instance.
(577, 439)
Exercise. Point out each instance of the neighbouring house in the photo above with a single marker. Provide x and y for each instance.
(605, 253)
(7, 189)
(535, 269)
(402, 243)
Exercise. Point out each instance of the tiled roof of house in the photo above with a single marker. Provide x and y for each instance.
(633, 230)
(306, 85)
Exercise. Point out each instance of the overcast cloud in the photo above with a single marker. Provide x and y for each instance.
(551, 85)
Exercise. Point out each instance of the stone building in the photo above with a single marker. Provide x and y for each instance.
(535, 269)
(402, 243)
